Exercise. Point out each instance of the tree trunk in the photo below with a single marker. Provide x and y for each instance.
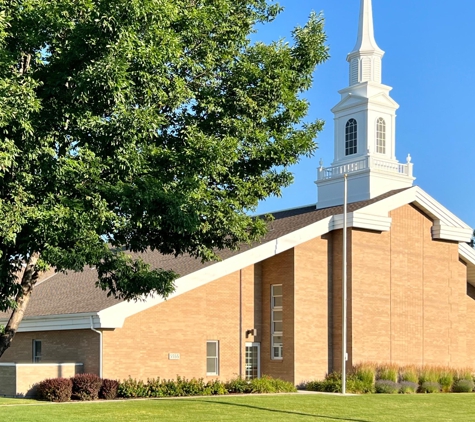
(28, 281)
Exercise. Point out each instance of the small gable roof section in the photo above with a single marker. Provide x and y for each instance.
(71, 301)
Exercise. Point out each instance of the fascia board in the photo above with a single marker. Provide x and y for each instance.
(467, 255)
(421, 200)
(362, 221)
(440, 231)
(434, 208)
(58, 322)
(114, 316)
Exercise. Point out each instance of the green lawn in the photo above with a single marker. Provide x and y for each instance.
(367, 408)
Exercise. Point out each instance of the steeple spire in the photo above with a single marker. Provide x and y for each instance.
(365, 59)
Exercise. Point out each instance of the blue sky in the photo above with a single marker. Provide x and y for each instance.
(429, 62)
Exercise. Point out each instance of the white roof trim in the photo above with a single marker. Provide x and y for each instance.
(467, 254)
(372, 217)
(59, 322)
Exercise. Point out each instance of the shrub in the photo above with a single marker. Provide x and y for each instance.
(463, 386)
(55, 389)
(332, 384)
(215, 387)
(325, 386)
(387, 387)
(238, 385)
(131, 388)
(387, 373)
(267, 384)
(86, 386)
(109, 389)
(429, 387)
(408, 387)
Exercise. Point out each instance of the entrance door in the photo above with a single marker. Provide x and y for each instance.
(253, 360)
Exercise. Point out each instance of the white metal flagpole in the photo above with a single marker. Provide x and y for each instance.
(344, 290)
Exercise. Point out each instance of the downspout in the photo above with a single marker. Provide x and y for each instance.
(100, 345)
(240, 323)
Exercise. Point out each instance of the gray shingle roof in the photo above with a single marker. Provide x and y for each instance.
(75, 292)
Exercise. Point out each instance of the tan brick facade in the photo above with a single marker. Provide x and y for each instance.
(407, 304)
(69, 346)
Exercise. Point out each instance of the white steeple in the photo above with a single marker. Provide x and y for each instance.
(365, 129)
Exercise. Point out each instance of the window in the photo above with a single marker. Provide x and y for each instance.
(36, 351)
(212, 358)
(351, 137)
(276, 321)
(252, 360)
(381, 136)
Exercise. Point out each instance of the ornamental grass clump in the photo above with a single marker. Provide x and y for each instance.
(463, 386)
(428, 374)
(408, 387)
(409, 374)
(429, 387)
(386, 387)
(387, 372)
(446, 379)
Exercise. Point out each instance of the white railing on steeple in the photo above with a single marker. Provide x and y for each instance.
(368, 162)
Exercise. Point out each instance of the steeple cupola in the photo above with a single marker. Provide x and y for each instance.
(365, 128)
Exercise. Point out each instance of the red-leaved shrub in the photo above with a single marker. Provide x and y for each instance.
(55, 389)
(109, 389)
(86, 386)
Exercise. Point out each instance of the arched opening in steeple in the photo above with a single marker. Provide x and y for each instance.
(351, 137)
(381, 136)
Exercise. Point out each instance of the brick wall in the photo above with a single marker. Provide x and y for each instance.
(279, 269)
(69, 346)
(183, 325)
(409, 300)
(7, 381)
(311, 310)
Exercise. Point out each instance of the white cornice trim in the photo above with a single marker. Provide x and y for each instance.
(39, 364)
(59, 322)
(467, 255)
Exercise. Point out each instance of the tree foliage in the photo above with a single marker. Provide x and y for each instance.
(135, 124)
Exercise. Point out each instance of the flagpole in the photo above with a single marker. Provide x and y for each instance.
(344, 290)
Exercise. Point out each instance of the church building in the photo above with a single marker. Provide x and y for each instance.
(275, 307)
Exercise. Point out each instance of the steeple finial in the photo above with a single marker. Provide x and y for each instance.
(365, 59)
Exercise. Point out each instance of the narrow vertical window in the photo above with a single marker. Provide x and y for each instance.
(36, 351)
(252, 360)
(212, 358)
(276, 321)
(351, 137)
(381, 136)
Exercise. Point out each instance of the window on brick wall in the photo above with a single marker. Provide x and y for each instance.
(36, 351)
(276, 322)
(212, 357)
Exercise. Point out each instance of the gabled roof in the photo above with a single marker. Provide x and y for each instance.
(67, 301)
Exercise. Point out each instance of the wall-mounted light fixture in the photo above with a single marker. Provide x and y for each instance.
(251, 332)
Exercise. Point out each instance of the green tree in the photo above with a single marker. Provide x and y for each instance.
(135, 124)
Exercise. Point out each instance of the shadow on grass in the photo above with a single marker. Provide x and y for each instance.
(290, 412)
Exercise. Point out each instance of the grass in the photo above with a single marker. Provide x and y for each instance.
(285, 407)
